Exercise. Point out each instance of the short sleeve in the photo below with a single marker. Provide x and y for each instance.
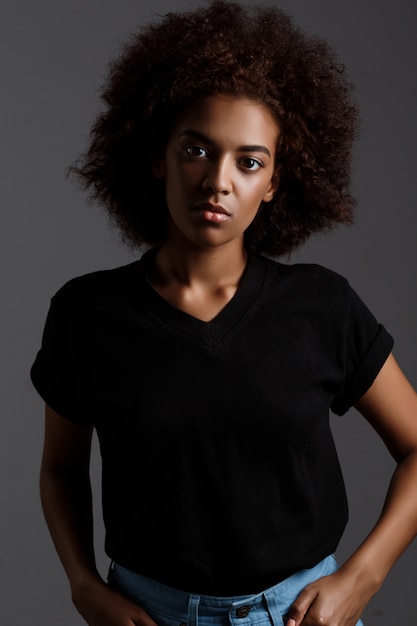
(54, 372)
(364, 348)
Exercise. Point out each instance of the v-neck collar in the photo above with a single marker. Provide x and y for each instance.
(209, 334)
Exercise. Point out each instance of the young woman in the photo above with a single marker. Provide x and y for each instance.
(208, 369)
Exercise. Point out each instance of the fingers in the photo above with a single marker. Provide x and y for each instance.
(300, 607)
(139, 617)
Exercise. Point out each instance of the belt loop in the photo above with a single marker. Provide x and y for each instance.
(193, 603)
(273, 610)
(110, 571)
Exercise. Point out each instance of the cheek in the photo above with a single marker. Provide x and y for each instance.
(178, 191)
(174, 181)
(182, 178)
(269, 188)
(259, 191)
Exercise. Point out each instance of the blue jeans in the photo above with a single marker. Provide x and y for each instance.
(172, 607)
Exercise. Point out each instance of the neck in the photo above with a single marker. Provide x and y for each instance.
(188, 265)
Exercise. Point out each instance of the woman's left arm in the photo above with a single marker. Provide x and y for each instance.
(390, 406)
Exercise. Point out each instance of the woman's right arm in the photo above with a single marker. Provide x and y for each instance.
(67, 505)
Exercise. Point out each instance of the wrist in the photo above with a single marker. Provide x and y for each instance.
(84, 588)
(365, 575)
(84, 582)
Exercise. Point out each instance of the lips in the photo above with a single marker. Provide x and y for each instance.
(214, 213)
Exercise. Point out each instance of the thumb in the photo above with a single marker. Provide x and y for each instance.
(300, 607)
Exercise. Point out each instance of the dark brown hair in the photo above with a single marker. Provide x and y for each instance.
(226, 48)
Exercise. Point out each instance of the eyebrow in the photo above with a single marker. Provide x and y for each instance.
(190, 132)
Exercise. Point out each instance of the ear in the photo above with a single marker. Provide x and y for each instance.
(273, 186)
(158, 168)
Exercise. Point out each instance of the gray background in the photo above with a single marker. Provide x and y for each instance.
(53, 56)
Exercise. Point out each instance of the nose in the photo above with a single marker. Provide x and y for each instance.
(218, 177)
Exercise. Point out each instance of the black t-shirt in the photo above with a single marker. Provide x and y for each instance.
(220, 474)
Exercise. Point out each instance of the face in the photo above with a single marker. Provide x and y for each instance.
(219, 166)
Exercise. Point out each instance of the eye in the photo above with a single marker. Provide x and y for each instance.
(196, 152)
(250, 163)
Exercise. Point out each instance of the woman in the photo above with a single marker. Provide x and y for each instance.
(206, 368)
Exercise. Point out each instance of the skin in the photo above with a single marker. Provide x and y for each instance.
(208, 162)
(198, 269)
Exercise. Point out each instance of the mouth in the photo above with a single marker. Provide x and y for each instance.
(214, 213)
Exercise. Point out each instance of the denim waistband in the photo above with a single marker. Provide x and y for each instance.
(172, 607)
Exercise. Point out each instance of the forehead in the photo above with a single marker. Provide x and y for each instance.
(224, 118)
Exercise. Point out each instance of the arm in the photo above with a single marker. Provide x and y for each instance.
(66, 500)
(390, 406)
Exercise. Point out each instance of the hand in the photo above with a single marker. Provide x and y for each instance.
(100, 605)
(334, 600)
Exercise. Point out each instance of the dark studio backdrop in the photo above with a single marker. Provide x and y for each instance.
(53, 55)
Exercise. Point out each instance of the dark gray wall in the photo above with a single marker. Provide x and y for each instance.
(53, 55)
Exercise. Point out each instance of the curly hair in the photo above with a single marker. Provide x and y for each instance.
(225, 48)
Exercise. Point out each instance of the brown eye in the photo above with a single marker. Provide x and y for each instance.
(196, 152)
(251, 164)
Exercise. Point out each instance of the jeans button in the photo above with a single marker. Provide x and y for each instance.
(243, 611)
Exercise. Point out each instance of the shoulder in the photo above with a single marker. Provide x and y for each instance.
(95, 289)
(307, 279)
